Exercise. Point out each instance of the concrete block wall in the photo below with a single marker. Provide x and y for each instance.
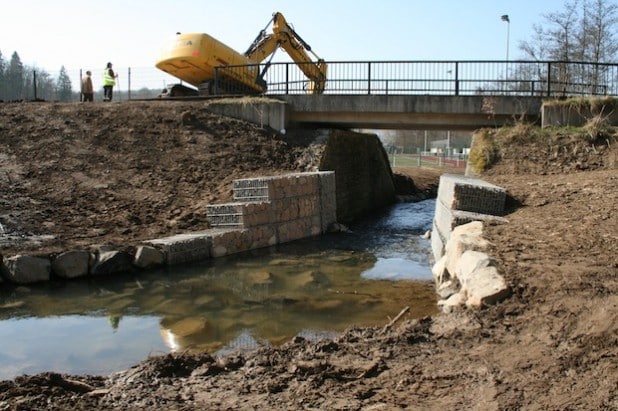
(463, 199)
(266, 211)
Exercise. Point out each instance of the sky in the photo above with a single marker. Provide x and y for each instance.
(88, 34)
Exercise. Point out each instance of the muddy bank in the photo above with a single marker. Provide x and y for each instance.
(552, 345)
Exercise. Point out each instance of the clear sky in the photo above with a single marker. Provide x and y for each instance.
(87, 34)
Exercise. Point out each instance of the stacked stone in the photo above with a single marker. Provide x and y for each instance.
(266, 211)
(296, 206)
(251, 189)
(328, 199)
(184, 248)
(463, 273)
(461, 200)
(292, 210)
(225, 215)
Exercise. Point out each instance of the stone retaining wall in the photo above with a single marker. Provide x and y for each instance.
(266, 211)
(463, 273)
(363, 173)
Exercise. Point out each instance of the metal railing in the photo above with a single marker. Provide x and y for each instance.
(515, 78)
(482, 77)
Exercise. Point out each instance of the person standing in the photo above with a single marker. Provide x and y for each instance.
(87, 88)
(109, 81)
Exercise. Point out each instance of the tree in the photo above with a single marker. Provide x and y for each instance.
(64, 89)
(45, 85)
(600, 31)
(14, 77)
(2, 80)
(584, 31)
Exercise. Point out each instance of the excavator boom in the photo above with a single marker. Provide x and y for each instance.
(285, 36)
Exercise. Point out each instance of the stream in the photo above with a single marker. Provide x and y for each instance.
(315, 288)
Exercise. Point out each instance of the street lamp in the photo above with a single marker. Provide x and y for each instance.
(505, 17)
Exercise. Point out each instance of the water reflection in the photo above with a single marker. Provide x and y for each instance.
(313, 287)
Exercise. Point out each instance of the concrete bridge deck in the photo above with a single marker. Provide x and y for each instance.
(423, 112)
(384, 111)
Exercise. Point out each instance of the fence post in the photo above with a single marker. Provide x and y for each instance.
(34, 83)
(129, 84)
(215, 89)
(548, 79)
(456, 78)
(532, 88)
(287, 78)
(369, 78)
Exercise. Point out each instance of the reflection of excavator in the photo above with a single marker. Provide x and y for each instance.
(194, 57)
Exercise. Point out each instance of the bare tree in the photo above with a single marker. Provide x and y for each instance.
(600, 31)
(583, 32)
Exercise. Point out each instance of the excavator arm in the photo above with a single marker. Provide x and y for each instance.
(284, 36)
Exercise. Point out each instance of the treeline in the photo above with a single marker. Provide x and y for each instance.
(583, 31)
(21, 82)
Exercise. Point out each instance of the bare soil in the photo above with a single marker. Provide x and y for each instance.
(128, 171)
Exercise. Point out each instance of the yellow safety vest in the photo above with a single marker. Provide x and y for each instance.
(108, 80)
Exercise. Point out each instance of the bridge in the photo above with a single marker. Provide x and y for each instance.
(452, 95)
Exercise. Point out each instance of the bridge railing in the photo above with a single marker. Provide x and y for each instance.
(477, 77)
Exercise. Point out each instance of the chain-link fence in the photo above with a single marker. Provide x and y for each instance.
(428, 159)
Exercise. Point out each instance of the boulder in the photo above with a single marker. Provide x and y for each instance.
(465, 275)
(71, 264)
(112, 262)
(148, 257)
(25, 269)
(480, 280)
(463, 238)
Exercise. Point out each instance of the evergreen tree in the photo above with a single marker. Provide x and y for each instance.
(45, 85)
(63, 86)
(14, 78)
(2, 80)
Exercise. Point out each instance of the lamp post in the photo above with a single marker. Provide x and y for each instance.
(505, 17)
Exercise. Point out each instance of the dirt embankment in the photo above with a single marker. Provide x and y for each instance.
(552, 345)
(119, 173)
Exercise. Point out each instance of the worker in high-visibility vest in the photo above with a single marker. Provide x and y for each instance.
(109, 81)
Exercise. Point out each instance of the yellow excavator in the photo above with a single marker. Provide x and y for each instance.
(213, 67)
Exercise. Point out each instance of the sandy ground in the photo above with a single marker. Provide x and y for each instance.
(553, 345)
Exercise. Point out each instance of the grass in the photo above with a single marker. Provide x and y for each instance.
(489, 145)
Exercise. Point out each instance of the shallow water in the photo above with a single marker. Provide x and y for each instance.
(314, 288)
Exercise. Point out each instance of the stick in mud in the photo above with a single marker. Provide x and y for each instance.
(394, 320)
